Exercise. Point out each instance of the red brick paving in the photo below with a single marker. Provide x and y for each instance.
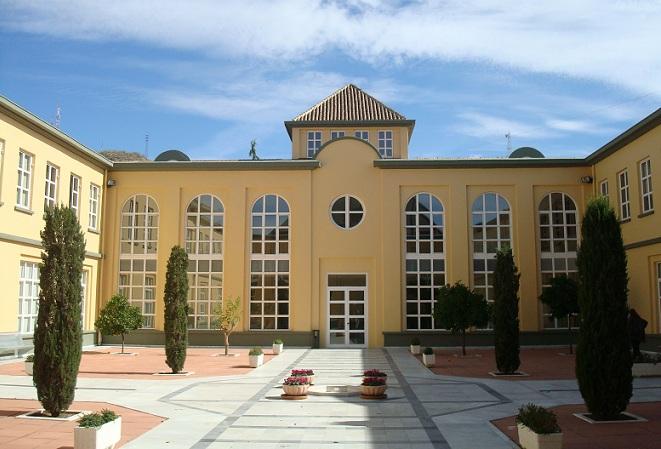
(538, 363)
(578, 434)
(17, 433)
(101, 362)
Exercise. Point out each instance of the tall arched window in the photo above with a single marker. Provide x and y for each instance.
(269, 264)
(425, 258)
(204, 245)
(138, 253)
(491, 230)
(558, 240)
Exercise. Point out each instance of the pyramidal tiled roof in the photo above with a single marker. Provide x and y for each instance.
(349, 103)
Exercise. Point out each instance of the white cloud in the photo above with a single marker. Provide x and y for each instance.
(477, 124)
(613, 42)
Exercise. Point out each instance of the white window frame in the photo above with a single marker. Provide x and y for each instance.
(624, 195)
(313, 142)
(554, 262)
(386, 143)
(204, 244)
(93, 216)
(24, 184)
(270, 263)
(28, 296)
(347, 212)
(646, 191)
(603, 188)
(51, 185)
(337, 134)
(424, 264)
(364, 135)
(138, 255)
(84, 284)
(74, 193)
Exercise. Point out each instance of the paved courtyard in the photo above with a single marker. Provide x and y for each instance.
(423, 410)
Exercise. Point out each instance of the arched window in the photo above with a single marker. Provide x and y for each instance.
(204, 245)
(490, 230)
(269, 264)
(558, 241)
(137, 254)
(425, 258)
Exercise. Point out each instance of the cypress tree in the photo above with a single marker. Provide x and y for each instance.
(603, 359)
(58, 334)
(506, 312)
(176, 309)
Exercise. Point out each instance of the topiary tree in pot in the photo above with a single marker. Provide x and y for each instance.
(506, 312)
(603, 358)
(561, 296)
(459, 308)
(176, 309)
(58, 334)
(118, 317)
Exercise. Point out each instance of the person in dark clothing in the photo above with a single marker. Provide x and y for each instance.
(637, 327)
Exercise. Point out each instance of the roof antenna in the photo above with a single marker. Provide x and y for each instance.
(508, 136)
(147, 145)
(58, 116)
(253, 150)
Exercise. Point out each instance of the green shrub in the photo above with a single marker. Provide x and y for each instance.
(646, 357)
(415, 341)
(506, 312)
(561, 296)
(428, 351)
(256, 351)
(118, 317)
(458, 308)
(97, 419)
(603, 355)
(538, 419)
(176, 309)
(30, 358)
(58, 335)
(278, 341)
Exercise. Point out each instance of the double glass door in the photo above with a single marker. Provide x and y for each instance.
(347, 310)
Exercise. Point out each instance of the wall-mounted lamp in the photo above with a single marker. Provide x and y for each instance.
(111, 182)
(586, 179)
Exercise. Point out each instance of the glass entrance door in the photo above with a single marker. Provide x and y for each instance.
(347, 310)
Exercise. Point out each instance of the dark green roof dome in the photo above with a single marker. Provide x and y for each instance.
(526, 152)
(172, 155)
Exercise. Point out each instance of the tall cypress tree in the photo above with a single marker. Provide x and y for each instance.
(176, 309)
(58, 334)
(506, 312)
(603, 359)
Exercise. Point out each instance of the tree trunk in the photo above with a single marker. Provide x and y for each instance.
(122, 343)
(463, 342)
(227, 343)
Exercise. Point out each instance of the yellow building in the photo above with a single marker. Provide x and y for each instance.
(341, 245)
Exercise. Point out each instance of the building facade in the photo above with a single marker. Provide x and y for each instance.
(343, 244)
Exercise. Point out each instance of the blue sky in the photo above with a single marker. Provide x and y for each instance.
(207, 77)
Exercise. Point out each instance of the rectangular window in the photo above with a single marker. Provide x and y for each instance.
(24, 180)
(337, 134)
(647, 200)
(84, 279)
(28, 296)
(385, 143)
(94, 207)
(74, 194)
(625, 204)
(362, 135)
(50, 191)
(314, 142)
(603, 188)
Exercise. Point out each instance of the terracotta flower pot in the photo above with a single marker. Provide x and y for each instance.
(373, 390)
(295, 390)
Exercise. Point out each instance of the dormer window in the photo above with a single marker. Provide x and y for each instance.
(336, 134)
(365, 135)
(385, 144)
(314, 142)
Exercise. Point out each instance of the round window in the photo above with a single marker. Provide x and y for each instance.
(347, 212)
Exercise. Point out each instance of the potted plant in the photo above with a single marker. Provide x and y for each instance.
(98, 431)
(645, 365)
(415, 346)
(278, 346)
(538, 428)
(304, 373)
(428, 357)
(373, 386)
(296, 386)
(375, 373)
(256, 356)
(29, 363)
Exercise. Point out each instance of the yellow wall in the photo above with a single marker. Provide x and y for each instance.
(400, 138)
